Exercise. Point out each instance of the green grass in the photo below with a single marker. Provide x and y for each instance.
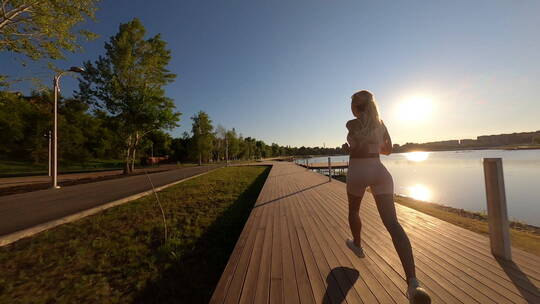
(18, 168)
(120, 255)
(15, 167)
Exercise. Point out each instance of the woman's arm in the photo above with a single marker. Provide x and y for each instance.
(345, 147)
(387, 142)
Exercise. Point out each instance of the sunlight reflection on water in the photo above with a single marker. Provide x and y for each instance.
(456, 179)
(417, 156)
(420, 192)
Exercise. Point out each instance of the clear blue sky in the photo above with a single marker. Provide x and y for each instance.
(284, 71)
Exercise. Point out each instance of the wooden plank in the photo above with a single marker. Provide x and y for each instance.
(250, 282)
(262, 292)
(334, 295)
(345, 280)
(430, 240)
(388, 255)
(421, 228)
(290, 287)
(292, 250)
(222, 287)
(488, 268)
(479, 250)
(392, 265)
(370, 290)
(334, 250)
(302, 280)
(391, 288)
(276, 281)
(237, 281)
(316, 279)
(471, 241)
(391, 245)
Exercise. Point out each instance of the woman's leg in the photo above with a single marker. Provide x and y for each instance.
(354, 216)
(387, 211)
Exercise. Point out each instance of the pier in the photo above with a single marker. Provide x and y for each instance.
(323, 168)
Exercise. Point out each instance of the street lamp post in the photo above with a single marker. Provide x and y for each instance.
(54, 173)
(49, 137)
(226, 150)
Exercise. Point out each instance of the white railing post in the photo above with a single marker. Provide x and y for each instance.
(499, 234)
(329, 169)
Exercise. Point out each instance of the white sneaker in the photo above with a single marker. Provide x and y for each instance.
(359, 251)
(417, 294)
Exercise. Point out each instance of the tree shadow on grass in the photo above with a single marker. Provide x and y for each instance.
(193, 277)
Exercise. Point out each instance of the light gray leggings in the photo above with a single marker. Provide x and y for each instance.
(368, 172)
(371, 172)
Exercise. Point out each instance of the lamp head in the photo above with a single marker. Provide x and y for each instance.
(76, 69)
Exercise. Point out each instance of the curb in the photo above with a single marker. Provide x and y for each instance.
(15, 236)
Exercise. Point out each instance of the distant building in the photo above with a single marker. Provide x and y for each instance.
(508, 139)
(453, 142)
(484, 141)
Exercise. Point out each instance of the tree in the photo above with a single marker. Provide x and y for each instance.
(3, 81)
(158, 143)
(233, 144)
(24, 122)
(180, 147)
(276, 150)
(220, 143)
(83, 136)
(202, 136)
(127, 82)
(261, 149)
(249, 148)
(44, 28)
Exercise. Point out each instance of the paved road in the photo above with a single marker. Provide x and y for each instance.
(22, 211)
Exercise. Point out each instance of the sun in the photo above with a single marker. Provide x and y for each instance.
(415, 109)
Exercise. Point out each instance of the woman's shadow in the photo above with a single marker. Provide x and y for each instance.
(335, 292)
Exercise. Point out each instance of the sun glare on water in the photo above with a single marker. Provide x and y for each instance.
(417, 156)
(415, 109)
(419, 192)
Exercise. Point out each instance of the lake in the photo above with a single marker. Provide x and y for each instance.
(456, 179)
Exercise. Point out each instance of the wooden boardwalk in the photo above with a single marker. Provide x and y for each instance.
(292, 250)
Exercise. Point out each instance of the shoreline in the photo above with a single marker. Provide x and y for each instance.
(475, 215)
(523, 236)
(503, 148)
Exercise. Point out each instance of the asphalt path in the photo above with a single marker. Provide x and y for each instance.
(26, 210)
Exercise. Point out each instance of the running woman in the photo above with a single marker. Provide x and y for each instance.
(367, 138)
